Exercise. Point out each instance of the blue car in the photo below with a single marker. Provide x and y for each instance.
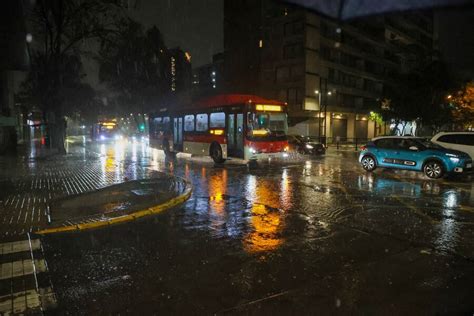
(413, 153)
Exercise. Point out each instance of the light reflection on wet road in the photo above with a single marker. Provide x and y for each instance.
(317, 235)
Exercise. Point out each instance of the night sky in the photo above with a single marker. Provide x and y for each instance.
(194, 25)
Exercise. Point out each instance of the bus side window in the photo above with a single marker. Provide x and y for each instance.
(189, 123)
(166, 124)
(156, 126)
(201, 122)
(217, 120)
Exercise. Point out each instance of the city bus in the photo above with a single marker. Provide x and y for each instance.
(106, 130)
(241, 126)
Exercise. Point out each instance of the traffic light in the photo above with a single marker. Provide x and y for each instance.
(142, 127)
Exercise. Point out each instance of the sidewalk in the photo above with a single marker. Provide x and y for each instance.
(30, 185)
(117, 204)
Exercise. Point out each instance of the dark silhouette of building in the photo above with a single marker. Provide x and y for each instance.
(208, 79)
(14, 59)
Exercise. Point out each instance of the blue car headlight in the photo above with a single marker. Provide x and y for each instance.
(454, 159)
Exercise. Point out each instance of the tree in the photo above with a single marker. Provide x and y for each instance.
(463, 102)
(62, 27)
(419, 96)
(134, 64)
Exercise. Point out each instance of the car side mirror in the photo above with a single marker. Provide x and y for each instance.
(414, 148)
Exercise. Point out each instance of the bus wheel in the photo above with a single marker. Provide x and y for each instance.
(216, 153)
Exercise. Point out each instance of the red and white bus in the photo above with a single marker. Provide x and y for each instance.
(231, 125)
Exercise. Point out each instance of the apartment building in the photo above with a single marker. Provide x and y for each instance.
(331, 74)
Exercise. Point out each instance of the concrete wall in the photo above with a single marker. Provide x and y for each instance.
(351, 125)
(299, 129)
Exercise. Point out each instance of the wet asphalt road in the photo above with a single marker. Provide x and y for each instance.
(301, 237)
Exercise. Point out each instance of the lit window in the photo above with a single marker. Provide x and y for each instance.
(260, 43)
(201, 122)
(218, 120)
(189, 123)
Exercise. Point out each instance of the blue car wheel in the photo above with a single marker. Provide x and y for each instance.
(368, 163)
(433, 169)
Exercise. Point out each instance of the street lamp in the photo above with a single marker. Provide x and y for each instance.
(319, 116)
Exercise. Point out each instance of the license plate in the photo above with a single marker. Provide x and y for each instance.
(469, 165)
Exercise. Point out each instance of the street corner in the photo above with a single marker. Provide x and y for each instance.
(116, 204)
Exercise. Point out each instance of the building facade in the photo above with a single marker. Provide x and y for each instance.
(332, 75)
(208, 79)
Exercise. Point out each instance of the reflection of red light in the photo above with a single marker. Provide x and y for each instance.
(43, 141)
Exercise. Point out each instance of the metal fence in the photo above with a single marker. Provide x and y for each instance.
(344, 142)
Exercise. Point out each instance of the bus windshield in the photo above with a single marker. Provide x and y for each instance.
(267, 124)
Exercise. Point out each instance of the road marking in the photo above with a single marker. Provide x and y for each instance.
(28, 298)
(19, 246)
(18, 268)
(26, 301)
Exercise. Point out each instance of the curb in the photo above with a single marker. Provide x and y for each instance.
(125, 218)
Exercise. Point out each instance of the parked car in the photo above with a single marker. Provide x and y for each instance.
(462, 141)
(413, 153)
(305, 145)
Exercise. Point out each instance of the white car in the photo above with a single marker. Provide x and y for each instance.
(462, 141)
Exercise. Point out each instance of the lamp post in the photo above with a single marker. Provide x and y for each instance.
(318, 93)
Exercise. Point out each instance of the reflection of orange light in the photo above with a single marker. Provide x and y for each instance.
(266, 224)
(266, 220)
(217, 131)
(186, 171)
(267, 107)
(217, 189)
(259, 132)
(109, 126)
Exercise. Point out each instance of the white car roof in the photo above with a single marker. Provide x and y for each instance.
(453, 133)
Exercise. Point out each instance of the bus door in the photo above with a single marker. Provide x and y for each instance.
(178, 133)
(235, 135)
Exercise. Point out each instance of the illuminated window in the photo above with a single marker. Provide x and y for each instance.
(260, 43)
(189, 123)
(201, 122)
(218, 120)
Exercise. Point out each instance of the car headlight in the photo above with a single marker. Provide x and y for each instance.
(308, 146)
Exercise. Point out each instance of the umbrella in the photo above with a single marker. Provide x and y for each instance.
(349, 9)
